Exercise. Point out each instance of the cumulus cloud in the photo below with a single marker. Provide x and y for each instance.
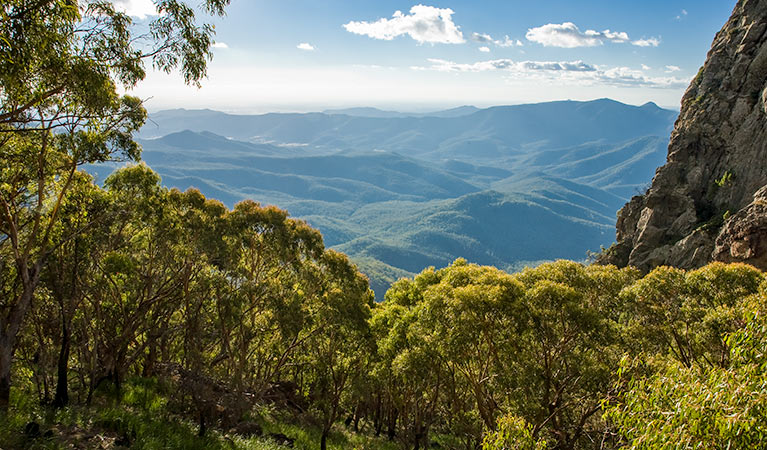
(483, 38)
(650, 42)
(670, 69)
(305, 46)
(646, 67)
(220, 45)
(681, 14)
(568, 35)
(510, 43)
(423, 24)
(561, 72)
(136, 8)
(442, 65)
(624, 76)
(484, 49)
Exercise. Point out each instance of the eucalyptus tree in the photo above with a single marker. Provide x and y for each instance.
(61, 62)
(202, 223)
(66, 277)
(473, 315)
(337, 350)
(409, 371)
(693, 398)
(260, 313)
(141, 262)
(687, 314)
(570, 347)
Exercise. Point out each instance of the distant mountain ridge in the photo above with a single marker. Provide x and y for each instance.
(498, 186)
(378, 113)
(493, 132)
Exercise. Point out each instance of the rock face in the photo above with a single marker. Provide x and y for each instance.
(744, 237)
(703, 205)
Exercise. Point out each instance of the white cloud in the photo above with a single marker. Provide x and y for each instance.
(562, 72)
(423, 24)
(136, 8)
(651, 42)
(646, 67)
(305, 46)
(442, 65)
(681, 14)
(624, 76)
(484, 49)
(670, 69)
(483, 38)
(220, 45)
(568, 35)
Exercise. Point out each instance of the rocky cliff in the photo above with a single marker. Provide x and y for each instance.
(709, 202)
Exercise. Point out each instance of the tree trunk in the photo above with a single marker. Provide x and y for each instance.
(6, 354)
(117, 380)
(392, 430)
(357, 420)
(62, 392)
(324, 440)
(151, 358)
(203, 429)
(10, 327)
(377, 420)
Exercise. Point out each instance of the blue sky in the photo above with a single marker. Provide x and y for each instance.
(299, 55)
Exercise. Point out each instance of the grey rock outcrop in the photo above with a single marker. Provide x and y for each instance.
(701, 205)
(744, 236)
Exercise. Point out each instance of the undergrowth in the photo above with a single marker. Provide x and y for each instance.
(142, 420)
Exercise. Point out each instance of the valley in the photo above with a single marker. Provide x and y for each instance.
(397, 193)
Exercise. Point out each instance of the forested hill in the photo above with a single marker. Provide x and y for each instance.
(398, 193)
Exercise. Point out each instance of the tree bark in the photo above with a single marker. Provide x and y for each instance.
(392, 430)
(6, 354)
(62, 383)
(203, 429)
(324, 440)
(10, 327)
(151, 358)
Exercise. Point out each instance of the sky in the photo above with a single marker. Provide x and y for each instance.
(309, 55)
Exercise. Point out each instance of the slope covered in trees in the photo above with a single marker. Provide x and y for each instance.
(223, 316)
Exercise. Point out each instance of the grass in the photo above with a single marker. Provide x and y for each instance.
(143, 420)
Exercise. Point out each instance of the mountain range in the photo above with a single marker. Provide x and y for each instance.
(508, 186)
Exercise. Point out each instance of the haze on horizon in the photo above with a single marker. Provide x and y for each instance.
(409, 56)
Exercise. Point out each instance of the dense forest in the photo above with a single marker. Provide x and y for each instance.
(132, 315)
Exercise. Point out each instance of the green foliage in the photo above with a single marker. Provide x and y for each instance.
(702, 379)
(222, 309)
(682, 407)
(513, 434)
(688, 314)
(725, 180)
(62, 64)
(144, 418)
